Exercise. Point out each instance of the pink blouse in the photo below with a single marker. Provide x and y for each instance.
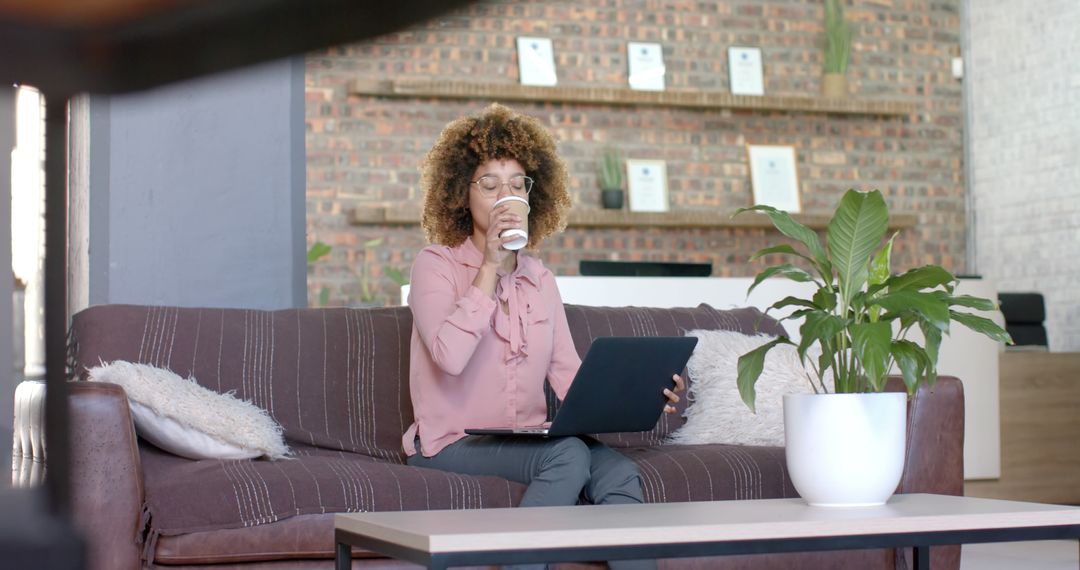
(474, 365)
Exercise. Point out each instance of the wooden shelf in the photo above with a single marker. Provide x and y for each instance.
(426, 88)
(585, 218)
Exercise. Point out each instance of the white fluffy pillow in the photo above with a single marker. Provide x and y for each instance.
(186, 419)
(716, 413)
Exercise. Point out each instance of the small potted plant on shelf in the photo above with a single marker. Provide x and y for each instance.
(846, 448)
(610, 178)
(837, 50)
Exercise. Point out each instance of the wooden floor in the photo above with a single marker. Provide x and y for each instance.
(1040, 430)
(1044, 555)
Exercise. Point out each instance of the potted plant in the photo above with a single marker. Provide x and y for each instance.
(847, 447)
(837, 50)
(365, 276)
(317, 251)
(398, 276)
(365, 279)
(610, 177)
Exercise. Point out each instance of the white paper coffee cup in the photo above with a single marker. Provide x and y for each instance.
(519, 206)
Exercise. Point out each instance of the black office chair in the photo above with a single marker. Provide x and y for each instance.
(1024, 315)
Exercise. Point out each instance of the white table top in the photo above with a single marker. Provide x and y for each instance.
(480, 530)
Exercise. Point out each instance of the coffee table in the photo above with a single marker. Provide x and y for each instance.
(439, 539)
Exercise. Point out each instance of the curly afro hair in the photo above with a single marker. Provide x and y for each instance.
(465, 144)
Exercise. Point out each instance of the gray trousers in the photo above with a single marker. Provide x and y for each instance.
(558, 471)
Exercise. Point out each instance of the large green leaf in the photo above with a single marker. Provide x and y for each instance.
(879, 266)
(879, 273)
(825, 299)
(932, 334)
(795, 315)
(871, 343)
(927, 305)
(825, 362)
(978, 303)
(792, 229)
(818, 326)
(786, 270)
(874, 289)
(859, 302)
(854, 232)
(749, 369)
(912, 361)
(790, 301)
(782, 249)
(925, 277)
(317, 251)
(982, 325)
(907, 318)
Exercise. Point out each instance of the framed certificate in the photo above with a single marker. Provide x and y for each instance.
(536, 61)
(744, 70)
(647, 184)
(646, 66)
(774, 177)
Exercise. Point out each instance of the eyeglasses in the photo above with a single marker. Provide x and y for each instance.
(489, 185)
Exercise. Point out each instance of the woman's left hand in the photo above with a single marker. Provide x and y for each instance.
(672, 395)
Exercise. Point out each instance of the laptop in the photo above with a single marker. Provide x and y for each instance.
(619, 388)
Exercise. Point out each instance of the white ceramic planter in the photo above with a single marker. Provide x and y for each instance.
(845, 450)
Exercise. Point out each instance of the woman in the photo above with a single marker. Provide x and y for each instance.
(489, 325)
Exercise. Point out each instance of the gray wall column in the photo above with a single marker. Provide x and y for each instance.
(197, 192)
(298, 169)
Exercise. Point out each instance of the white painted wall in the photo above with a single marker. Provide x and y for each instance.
(1022, 82)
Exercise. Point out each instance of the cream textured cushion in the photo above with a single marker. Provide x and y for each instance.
(716, 413)
(186, 419)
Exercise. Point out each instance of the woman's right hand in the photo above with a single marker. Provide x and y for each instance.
(499, 220)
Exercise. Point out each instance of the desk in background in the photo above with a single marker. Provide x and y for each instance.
(1040, 430)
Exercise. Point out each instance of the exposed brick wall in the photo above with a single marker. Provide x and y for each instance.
(365, 151)
(1025, 139)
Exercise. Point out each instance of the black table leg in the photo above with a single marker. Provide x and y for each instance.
(343, 557)
(920, 557)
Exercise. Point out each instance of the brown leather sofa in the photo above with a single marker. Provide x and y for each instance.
(337, 381)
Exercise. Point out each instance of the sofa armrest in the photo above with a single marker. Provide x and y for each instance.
(106, 475)
(935, 454)
(935, 439)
